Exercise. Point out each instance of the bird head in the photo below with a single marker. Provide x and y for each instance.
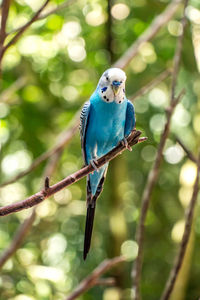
(112, 85)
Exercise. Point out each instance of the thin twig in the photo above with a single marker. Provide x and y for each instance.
(188, 227)
(150, 85)
(153, 175)
(66, 136)
(93, 278)
(52, 11)
(18, 239)
(149, 33)
(14, 87)
(187, 151)
(24, 28)
(4, 16)
(43, 194)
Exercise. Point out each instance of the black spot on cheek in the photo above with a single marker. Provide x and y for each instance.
(104, 97)
(107, 100)
(120, 101)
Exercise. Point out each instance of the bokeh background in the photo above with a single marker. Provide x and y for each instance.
(54, 69)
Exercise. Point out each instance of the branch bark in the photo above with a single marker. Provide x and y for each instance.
(148, 34)
(188, 226)
(93, 278)
(45, 193)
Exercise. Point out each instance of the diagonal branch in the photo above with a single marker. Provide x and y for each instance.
(45, 193)
(65, 137)
(149, 33)
(187, 151)
(24, 28)
(150, 85)
(153, 175)
(93, 278)
(44, 15)
(188, 227)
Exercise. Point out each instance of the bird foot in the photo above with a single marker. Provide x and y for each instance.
(94, 164)
(125, 143)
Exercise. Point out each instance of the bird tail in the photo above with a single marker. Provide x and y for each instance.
(91, 205)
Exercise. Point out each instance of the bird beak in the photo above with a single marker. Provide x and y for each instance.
(116, 89)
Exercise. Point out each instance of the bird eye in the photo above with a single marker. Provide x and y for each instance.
(107, 78)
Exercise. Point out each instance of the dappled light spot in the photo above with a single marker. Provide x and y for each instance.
(157, 123)
(141, 106)
(129, 249)
(46, 209)
(76, 51)
(193, 14)
(11, 59)
(70, 93)
(4, 110)
(49, 273)
(95, 17)
(13, 192)
(158, 97)
(148, 153)
(188, 174)
(111, 294)
(18, 161)
(177, 231)
(24, 297)
(63, 197)
(137, 64)
(148, 53)
(55, 248)
(196, 123)
(71, 29)
(26, 256)
(174, 154)
(181, 116)
(117, 223)
(175, 28)
(4, 132)
(185, 194)
(120, 11)
(42, 289)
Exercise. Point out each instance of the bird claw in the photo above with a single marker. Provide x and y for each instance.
(125, 143)
(94, 163)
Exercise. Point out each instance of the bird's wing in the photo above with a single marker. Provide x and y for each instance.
(83, 126)
(130, 119)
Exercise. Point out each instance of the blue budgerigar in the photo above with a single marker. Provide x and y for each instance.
(106, 119)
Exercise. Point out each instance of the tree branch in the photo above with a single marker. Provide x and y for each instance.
(18, 239)
(23, 28)
(187, 151)
(148, 34)
(153, 175)
(188, 226)
(4, 16)
(93, 278)
(150, 85)
(43, 194)
(48, 13)
(65, 137)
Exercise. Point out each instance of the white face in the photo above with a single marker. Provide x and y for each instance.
(112, 85)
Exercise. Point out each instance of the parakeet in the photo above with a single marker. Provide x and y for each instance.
(106, 119)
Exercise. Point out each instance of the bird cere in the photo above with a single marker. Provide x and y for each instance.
(106, 119)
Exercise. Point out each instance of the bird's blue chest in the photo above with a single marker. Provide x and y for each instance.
(105, 126)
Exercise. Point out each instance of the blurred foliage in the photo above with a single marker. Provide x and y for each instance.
(60, 59)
